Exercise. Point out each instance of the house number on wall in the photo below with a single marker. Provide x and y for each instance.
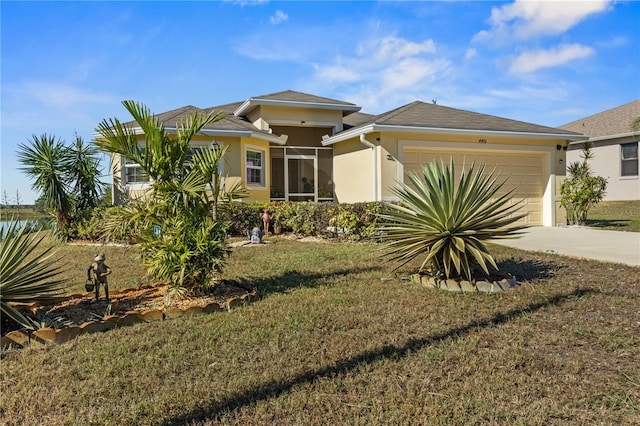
(482, 141)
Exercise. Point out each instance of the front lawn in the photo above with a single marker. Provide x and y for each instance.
(615, 216)
(337, 337)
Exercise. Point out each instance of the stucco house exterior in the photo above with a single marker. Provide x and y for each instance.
(297, 147)
(615, 148)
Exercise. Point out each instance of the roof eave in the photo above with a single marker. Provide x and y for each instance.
(280, 140)
(253, 102)
(439, 130)
(608, 137)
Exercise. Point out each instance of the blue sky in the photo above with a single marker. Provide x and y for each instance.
(65, 66)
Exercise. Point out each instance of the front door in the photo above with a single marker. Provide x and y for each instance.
(301, 173)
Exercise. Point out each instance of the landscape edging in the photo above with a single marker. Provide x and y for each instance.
(44, 335)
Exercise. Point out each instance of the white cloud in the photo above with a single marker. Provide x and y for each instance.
(533, 60)
(384, 73)
(243, 3)
(37, 103)
(470, 54)
(526, 19)
(278, 17)
(393, 48)
(337, 73)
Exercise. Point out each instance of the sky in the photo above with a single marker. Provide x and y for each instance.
(66, 66)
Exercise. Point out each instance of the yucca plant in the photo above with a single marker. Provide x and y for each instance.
(24, 276)
(448, 222)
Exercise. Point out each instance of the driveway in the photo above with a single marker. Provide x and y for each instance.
(575, 241)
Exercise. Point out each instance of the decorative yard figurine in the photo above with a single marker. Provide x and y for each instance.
(266, 217)
(100, 271)
(256, 235)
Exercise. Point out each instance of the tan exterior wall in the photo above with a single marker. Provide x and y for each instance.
(607, 163)
(302, 136)
(352, 172)
(284, 116)
(233, 168)
(256, 192)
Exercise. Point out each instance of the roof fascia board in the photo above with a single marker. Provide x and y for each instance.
(220, 132)
(242, 133)
(351, 133)
(275, 102)
(607, 137)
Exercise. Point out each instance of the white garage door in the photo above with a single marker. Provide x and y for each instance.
(522, 171)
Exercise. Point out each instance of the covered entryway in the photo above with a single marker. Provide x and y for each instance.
(301, 174)
(523, 171)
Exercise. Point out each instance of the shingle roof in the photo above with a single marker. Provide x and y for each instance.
(421, 114)
(415, 114)
(291, 95)
(356, 119)
(614, 121)
(229, 122)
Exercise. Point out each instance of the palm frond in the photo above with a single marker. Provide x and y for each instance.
(25, 278)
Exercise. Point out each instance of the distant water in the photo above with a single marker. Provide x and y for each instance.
(42, 223)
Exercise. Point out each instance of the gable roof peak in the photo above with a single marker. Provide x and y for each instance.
(293, 99)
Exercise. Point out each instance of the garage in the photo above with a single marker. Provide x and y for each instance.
(523, 171)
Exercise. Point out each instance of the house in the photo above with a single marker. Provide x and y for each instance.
(615, 147)
(297, 147)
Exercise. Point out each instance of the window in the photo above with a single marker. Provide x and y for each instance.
(133, 173)
(629, 159)
(254, 166)
(190, 153)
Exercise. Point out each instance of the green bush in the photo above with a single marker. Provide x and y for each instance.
(242, 217)
(306, 218)
(355, 221)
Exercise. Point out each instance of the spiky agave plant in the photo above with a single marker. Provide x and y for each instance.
(24, 276)
(448, 222)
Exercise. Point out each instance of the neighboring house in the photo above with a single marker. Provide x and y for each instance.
(614, 146)
(297, 147)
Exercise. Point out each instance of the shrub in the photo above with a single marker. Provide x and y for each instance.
(581, 190)
(448, 223)
(355, 221)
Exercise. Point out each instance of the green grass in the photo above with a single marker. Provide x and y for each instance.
(337, 337)
(615, 215)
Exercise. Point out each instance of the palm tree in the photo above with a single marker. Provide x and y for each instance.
(85, 173)
(447, 222)
(183, 200)
(47, 160)
(24, 276)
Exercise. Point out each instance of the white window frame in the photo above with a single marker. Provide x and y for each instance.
(630, 159)
(128, 164)
(261, 167)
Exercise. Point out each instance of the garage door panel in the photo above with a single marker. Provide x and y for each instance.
(522, 172)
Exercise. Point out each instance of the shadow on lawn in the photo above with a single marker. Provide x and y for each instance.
(293, 279)
(608, 223)
(276, 388)
(527, 270)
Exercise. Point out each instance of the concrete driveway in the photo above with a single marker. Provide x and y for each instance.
(575, 241)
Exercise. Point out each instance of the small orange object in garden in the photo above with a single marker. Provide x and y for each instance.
(266, 217)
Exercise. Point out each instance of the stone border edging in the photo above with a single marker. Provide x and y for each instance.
(464, 285)
(47, 334)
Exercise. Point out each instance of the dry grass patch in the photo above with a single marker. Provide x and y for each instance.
(337, 338)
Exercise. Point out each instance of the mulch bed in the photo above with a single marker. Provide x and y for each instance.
(78, 310)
